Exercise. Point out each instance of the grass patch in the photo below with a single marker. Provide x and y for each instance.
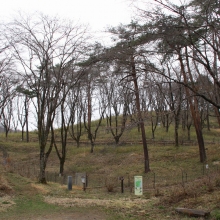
(33, 205)
(29, 207)
(216, 214)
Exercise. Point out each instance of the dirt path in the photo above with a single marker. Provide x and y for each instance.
(82, 208)
(91, 215)
(124, 203)
(132, 206)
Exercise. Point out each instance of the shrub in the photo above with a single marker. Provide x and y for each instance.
(217, 182)
(4, 187)
(110, 187)
(216, 215)
(110, 183)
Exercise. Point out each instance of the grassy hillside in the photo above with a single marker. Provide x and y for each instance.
(177, 178)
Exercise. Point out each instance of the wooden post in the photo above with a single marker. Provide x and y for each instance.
(193, 212)
(122, 184)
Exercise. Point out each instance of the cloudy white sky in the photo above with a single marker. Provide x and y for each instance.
(97, 13)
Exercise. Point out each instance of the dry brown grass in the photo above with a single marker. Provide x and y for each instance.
(6, 199)
(5, 188)
(107, 163)
(194, 191)
(110, 183)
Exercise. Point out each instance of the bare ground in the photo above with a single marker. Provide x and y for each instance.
(70, 216)
(88, 209)
(88, 214)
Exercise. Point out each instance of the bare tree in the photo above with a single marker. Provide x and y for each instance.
(24, 97)
(186, 117)
(7, 93)
(173, 94)
(75, 106)
(157, 105)
(129, 53)
(117, 106)
(93, 100)
(61, 144)
(178, 35)
(6, 118)
(47, 49)
(7, 78)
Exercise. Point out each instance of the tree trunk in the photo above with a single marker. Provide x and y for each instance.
(152, 129)
(140, 119)
(183, 120)
(217, 115)
(188, 133)
(62, 161)
(176, 133)
(167, 122)
(44, 155)
(117, 138)
(22, 133)
(42, 175)
(177, 122)
(27, 133)
(77, 143)
(208, 121)
(26, 119)
(92, 147)
(195, 113)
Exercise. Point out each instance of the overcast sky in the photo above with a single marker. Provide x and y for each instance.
(97, 13)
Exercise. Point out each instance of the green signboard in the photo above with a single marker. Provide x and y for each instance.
(138, 185)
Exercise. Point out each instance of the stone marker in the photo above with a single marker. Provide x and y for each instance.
(69, 182)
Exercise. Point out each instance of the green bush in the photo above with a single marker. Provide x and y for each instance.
(216, 215)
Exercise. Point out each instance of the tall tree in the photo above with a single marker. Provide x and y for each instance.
(6, 116)
(117, 106)
(61, 144)
(178, 35)
(128, 51)
(93, 100)
(7, 94)
(24, 97)
(40, 43)
(75, 106)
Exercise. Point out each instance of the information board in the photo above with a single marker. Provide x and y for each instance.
(138, 185)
